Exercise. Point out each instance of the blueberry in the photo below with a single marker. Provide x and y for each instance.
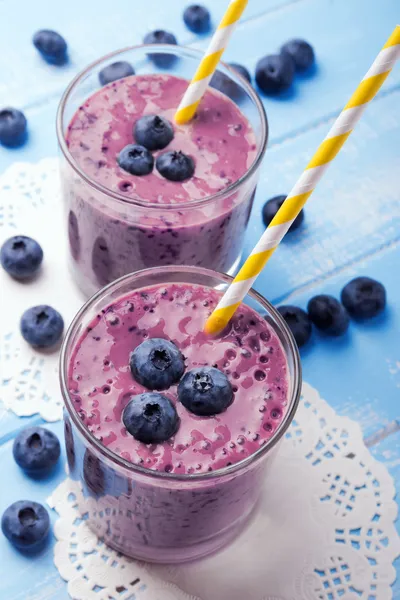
(241, 70)
(175, 166)
(272, 206)
(298, 322)
(93, 473)
(21, 256)
(51, 46)
(41, 326)
(12, 127)
(153, 132)
(274, 73)
(157, 364)
(364, 297)
(300, 52)
(116, 70)
(161, 37)
(205, 391)
(197, 18)
(25, 524)
(69, 444)
(224, 84)
(150, 418)
(36, 449)
(328, 314)
(136, 160)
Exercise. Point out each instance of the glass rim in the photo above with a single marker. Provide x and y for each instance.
(168, 49)
(181, 477)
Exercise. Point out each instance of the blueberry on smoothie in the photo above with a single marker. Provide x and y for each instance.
(116, 70)
(364, 297)
(274, 73)
(175, 166)
(241, 70)
(205, 391)
(328, 314)
(25, 524)
(157, 364)
(272, 206)
(301, 52)
(159, 36)
(298, 322)
(197, 18)
(150, 418)
(41, 326)
(136, 160)
(36, 450)
(153, 132)
(51, 46)
(21, 256)
(12, 127)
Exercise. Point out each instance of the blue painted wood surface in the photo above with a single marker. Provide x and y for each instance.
(352, 222)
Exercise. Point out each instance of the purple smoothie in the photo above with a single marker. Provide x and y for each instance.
(153, 221)
(164, 519)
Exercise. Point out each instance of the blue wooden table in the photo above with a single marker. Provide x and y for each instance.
(352, 224)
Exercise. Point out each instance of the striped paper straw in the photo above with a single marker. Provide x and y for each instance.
(305, 186)
(206, 68)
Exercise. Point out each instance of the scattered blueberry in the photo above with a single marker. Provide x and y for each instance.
(241, 70)
(150, 418)
(328, 314)
(136, 160)
(301, 52)
(175, 166)
(157, 364)
(25, 524)
(161, 37)
(224, 84)
(12, 127)
(274, 73)
(153, 132)
(116, 70)
(364, 297)
(21, 256)
(197, 18)
(51, 46)
(298, 322)
(41, 326)
(205, 391)
(36, 449)
(272, 206)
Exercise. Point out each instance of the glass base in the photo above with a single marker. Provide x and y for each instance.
(176, 555)
(87, 288)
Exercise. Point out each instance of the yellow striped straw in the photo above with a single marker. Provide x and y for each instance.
(306, 184)
(206, 68)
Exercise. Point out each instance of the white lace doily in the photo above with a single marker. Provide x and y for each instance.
(30, 204)
(324, 530)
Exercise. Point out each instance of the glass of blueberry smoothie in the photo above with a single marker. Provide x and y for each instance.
(169, 431)
(141, 191)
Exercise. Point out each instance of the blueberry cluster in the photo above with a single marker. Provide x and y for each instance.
(362, 298)
(21, 257)
(153, 132)
(275, 72)
(24, 523)
(157, 364)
